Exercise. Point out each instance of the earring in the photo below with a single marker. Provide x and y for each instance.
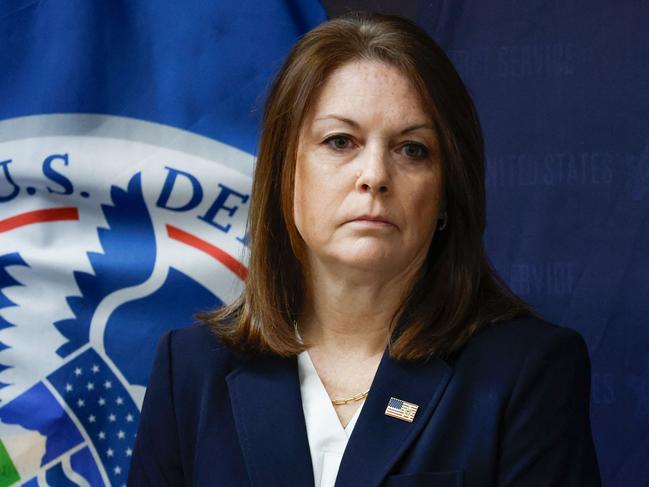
(444, 220)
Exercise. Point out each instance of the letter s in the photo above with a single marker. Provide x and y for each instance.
(57, 177)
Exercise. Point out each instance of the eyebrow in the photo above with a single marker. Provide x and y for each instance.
(355, 124)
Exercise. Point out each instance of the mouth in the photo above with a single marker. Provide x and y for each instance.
(372, 221)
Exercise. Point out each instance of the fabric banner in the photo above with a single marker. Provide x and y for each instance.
(561, 89)
(127, 136)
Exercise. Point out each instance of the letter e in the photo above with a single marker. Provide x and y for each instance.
(219, 204)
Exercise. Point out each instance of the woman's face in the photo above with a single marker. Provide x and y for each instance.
(368, 179)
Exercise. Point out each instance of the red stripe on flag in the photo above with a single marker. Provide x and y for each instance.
(38, 216)
(212, 250)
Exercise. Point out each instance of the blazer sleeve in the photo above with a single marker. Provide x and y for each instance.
(547, 439)
(156, 455)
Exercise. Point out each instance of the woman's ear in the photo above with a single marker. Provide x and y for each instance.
(442, 217)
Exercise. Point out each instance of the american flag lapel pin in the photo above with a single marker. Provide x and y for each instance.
(402, 410)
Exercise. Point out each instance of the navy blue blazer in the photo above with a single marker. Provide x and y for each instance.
(511, 408)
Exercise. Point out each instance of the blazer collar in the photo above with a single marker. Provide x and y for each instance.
(267, 408)
(378, 440)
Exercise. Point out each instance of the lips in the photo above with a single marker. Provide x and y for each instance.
(378, 219)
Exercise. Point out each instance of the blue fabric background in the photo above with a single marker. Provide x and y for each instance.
(198, 65)
(562, 88)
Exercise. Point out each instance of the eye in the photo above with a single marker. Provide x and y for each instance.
(415, 151)
(338, 142)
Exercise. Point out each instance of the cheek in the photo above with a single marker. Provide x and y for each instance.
(424, 204)
(305, 202)
(319, 202)
(298, 198)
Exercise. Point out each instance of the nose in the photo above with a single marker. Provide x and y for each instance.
(372, 175)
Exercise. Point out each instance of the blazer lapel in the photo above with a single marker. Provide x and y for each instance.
(267, 409)
(378, 440)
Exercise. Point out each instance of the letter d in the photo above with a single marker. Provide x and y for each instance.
(196, 191)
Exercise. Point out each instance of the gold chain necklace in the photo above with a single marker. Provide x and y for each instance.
(357, 397)
(338, 402)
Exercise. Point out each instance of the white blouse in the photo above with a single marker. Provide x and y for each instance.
(327, 437)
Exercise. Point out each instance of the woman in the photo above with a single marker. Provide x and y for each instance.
(370, 306)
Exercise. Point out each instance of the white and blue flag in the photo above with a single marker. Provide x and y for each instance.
(127, 140)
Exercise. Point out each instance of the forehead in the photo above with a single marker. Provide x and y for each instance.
(369, 88)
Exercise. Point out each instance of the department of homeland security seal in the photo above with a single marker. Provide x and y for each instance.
(112, 231)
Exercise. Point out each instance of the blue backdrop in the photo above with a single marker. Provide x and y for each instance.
(127, 134)
(562, 88)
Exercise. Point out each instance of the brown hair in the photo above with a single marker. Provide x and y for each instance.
(457, 291)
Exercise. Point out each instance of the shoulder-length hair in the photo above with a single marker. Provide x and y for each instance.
(456, 292)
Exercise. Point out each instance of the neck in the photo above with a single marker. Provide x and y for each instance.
(351, 314)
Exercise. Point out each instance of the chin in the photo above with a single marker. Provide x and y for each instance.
(360, 255)
(368, 261)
